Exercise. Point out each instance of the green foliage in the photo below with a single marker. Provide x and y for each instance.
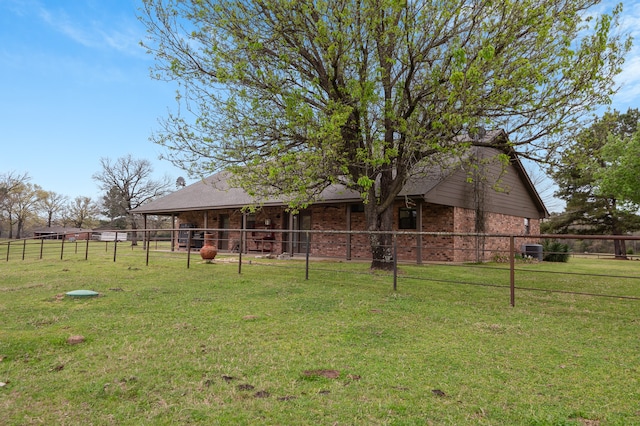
(114, 204)
(620, 175)
(362, 92)
(580, 174)
(555, 251)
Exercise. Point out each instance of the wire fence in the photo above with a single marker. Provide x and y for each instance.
(514, 262)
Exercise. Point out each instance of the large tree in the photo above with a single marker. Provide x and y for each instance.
(81, 212)
(128, 183)
(52, 205)
(295, 95)
(114, 206)
(25, 199)
(11, 184)
(620, 175)
(591, 208)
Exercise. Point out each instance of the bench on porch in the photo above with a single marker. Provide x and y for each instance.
(265, 244)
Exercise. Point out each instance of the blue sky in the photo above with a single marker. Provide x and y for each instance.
(76, 87)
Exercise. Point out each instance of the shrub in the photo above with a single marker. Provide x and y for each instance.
(555, 251)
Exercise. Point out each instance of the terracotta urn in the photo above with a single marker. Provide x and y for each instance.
(208, 251)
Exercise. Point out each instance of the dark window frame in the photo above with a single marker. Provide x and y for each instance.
(407, 218)
(357, 208)
(250, 221)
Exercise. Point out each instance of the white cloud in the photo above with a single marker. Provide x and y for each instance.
(120, 33)
(61, 22)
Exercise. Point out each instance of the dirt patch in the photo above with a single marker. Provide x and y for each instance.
(438, 392)
(287, 398)
(74, 340)
(245, 387)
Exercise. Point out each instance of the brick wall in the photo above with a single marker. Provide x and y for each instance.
(435, 218)
(329, 217)
(471, 249)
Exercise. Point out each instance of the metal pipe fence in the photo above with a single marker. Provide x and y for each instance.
(513, 262)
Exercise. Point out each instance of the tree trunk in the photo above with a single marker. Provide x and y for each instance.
(134, 228)
(19, 229)
(620, 249)
(10, 222)
(381, 242)
(619, 246)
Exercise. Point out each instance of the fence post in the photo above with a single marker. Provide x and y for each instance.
(147, 244)
(240, 248)
(306, 276)
(41, 247)
(86, 249)
(24, 248)
(62, 249)
(512, 272)
(115, 247)
(8, 247)
(395, 262)
(188, 249)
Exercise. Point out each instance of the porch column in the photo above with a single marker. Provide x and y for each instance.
(291, 236)
(243, 226)
(146, 233)
(173, 232)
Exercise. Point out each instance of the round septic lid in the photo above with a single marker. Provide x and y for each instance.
(82, 293)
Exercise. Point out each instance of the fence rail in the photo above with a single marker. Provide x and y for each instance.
(506, 254)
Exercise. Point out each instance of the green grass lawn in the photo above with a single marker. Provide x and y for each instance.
(169, 345)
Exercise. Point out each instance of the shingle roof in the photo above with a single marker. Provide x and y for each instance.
(215, 192)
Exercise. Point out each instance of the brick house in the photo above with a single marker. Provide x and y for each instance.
(502, 200)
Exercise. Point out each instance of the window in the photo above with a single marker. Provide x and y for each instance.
(251, 221)
(357, 208)
(407, 218)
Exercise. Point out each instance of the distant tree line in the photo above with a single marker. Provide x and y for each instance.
(126, 183)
